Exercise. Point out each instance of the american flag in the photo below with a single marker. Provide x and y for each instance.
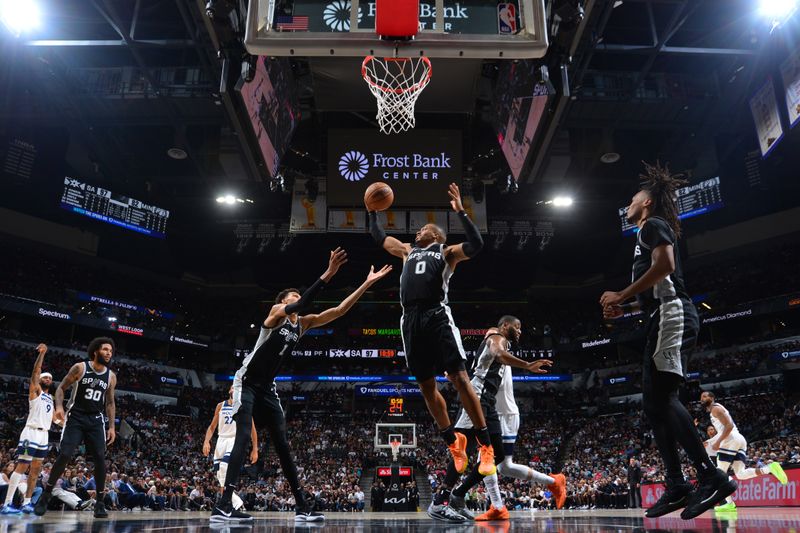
(291, 23)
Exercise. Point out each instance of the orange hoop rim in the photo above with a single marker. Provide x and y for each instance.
(414, 88)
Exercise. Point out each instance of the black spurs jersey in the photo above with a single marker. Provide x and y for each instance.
(655, 232)
(273, 345)
(487, 373)
(89, 392)
(425, 276)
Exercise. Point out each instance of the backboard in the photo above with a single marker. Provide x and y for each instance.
(448, 28)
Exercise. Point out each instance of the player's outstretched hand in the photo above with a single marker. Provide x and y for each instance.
(455, 198)
(373, 276)
(537, 367)
(41, 349)
(337, 259)
(612, 312)
(206, 448)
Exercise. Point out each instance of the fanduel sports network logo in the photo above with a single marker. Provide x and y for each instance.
(353, 166)
(337, 15)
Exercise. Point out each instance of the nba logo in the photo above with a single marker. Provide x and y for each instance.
(507, 19)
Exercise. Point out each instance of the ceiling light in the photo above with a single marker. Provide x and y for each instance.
(706, 305)
(19, 15)
(610, 157)
(177, 153)
(777, 10)
(220, 199)
(230, 199)
(562, 201)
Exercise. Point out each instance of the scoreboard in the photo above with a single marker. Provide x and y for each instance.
(106, 206)
(697, 199)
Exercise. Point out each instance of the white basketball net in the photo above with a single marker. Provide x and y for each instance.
(396, 82)
(395, 445)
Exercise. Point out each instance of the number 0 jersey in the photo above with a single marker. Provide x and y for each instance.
(426, 276)
(89, 392)
(273, 345)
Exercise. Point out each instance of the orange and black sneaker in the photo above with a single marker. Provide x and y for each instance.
(559, 490)
(459, 452)
(486, 467)
(493, 514)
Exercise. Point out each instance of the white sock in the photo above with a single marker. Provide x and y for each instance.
(493, 489)
(12, 487)
(236, 501)
(26, 501)
(765, 470)
(729, 499)
(518, 471)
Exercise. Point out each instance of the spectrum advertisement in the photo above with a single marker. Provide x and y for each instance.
(418, 166)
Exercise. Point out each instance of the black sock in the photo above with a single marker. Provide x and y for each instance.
(440, 497)
(448, 434)
(473, 478)
(483, 437)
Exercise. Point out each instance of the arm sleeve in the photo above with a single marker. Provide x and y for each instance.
(656, 232)
(306, 299)
(375, 228)
(474, 241)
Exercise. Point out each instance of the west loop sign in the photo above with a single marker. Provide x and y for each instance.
(418, 166)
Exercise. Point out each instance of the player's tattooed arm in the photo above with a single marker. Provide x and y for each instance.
(474, 242)
(663, 265)
(111, 409)
(69, 380)
(210, 431)
(34, 389)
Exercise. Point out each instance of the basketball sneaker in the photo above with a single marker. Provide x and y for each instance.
(27, 508)
(559, 490)
(777, 470)
(459, 452)
(486, 467)
(100, 510)
(493, 514)
(709, 492)
(675, 497)
(41, 505)
(308, 516)
(458, 504)
(726, 508)
(9, 509)
(445, 513)
(226, 513)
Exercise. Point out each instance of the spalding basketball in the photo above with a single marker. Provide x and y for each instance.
(378, 197)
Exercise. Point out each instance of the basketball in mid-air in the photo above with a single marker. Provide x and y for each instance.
(378, 197)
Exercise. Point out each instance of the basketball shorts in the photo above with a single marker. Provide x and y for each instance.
(509, 426)
(33, 445)
(734, 448)
(489, 413)
(255, 402)
(222, 452)
(89, 428)
(431, 341)
(671, 334)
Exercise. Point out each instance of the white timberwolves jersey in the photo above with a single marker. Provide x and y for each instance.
(226, 426)
(505, 404)
(717, 423)
(40, 412)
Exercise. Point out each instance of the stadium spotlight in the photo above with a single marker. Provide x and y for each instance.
(19, 16)
(777, 10)
(562, 201)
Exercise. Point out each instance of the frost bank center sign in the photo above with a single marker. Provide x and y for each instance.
(418, 166)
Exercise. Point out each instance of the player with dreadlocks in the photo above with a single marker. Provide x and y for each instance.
(672, 327)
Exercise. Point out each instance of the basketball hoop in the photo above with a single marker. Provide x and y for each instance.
(395, 445)
(396, 83)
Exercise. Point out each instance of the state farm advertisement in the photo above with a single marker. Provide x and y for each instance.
(757, 492)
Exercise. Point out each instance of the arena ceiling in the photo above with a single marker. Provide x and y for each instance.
(648, 79)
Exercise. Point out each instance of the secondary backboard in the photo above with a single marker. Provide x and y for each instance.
(448, 28)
